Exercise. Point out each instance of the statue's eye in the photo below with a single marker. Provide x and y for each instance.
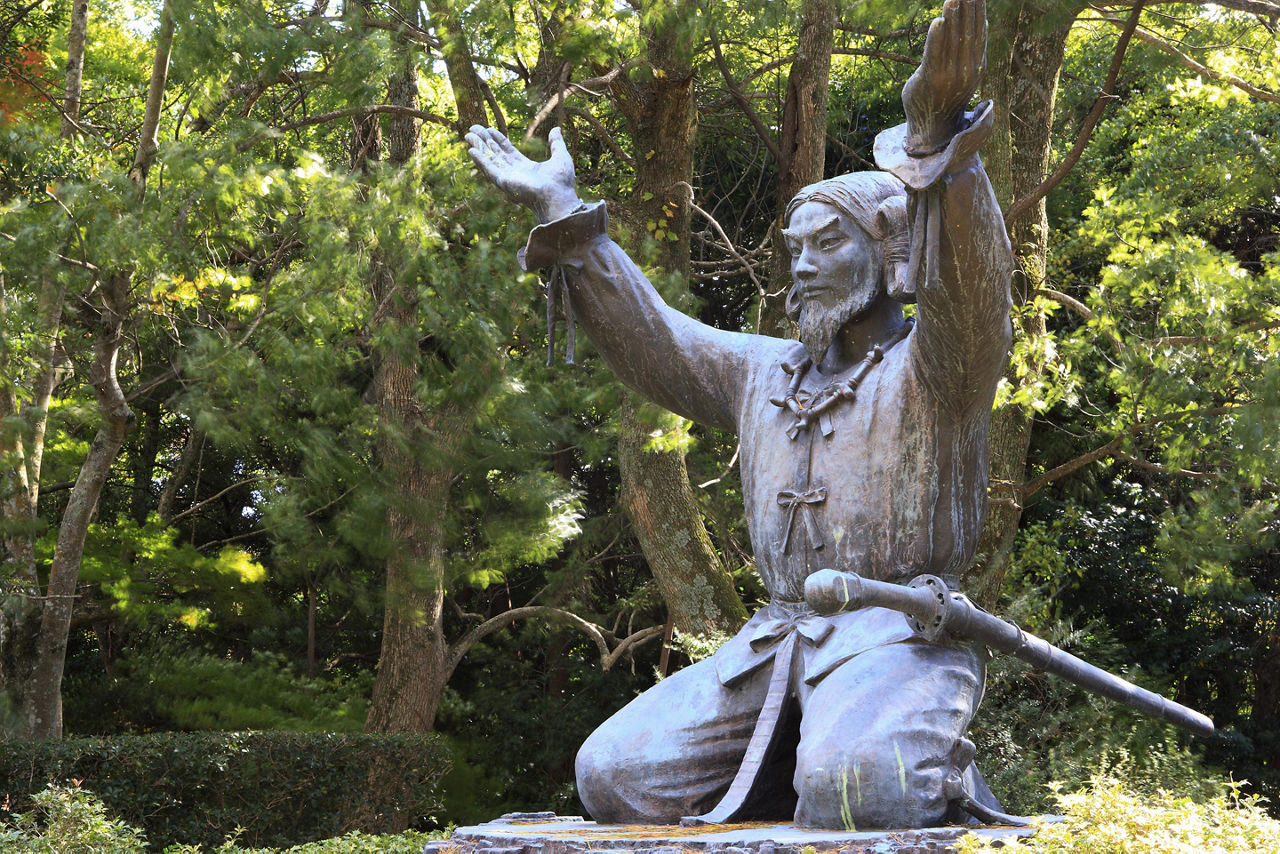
(830, 242)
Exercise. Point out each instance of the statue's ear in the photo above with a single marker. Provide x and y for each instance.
(895, 248)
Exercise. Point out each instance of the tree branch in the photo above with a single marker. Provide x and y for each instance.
(603, 133)
(1025, 204)
(369, 110)
(83, 265)
(587, 87)
(1160, 469)
(1082, 310)
(743, 103)
(876, 54)
(1068, 467)
(1111, 448)
(596, 633)
(194, 507)
(149, 144)
(1253, 7)
(1202, 70)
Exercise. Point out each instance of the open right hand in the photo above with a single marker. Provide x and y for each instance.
(546, 188)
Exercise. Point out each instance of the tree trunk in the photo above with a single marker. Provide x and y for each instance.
(191, 451)
(659, 499)
(1266, 698)
(74, 85)
(803, 141)
(661, 113)
(43, 714)
(34, 656)
(149, 143)
(412, 666)
(468, 92)
(1027, 44)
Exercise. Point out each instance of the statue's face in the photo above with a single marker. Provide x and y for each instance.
(837, 272)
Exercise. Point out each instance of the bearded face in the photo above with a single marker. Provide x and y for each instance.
(837, 272)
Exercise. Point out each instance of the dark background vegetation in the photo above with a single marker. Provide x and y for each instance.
(343, 449)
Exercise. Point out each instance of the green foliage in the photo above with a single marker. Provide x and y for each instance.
(165, 685)
(69, 820)
(278, 788)
(1109, 818)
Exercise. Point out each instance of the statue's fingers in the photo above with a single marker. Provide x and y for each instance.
(934, 40)
(503, 144)
(559, 151)
(981, 36)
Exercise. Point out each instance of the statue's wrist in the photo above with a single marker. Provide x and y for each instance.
(924, 139)
(557, 205)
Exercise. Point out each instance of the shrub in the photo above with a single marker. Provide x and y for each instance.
(282, 788)
(1109, 819)
(69, 820)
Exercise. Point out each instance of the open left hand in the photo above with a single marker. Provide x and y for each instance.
(937, 93)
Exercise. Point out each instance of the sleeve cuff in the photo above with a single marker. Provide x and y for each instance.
(919, 173)
(549, 241)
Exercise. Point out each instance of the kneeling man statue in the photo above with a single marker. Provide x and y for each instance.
(863, 449)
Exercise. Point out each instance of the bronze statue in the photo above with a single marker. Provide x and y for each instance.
(863, 449)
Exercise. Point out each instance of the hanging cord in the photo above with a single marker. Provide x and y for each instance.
(557, 290)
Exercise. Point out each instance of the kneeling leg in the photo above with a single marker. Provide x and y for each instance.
(672, 751)
(878, 734)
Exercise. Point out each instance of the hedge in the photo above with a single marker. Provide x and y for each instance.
(282, 788)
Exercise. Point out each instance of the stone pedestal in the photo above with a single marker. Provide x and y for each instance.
(547, 833)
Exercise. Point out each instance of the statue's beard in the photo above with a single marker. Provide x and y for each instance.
(819, 324)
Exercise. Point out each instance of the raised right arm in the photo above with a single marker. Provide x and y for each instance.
(688, 367)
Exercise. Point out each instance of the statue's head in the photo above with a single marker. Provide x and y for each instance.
(847, 237)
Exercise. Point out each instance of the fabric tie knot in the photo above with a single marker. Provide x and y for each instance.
(795, 502)
(811, 627)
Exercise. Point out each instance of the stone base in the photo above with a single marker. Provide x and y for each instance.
(547, 833)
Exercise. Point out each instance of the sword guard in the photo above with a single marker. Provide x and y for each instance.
(928, 625)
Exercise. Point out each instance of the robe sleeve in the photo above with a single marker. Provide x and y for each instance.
(688, 367)
(961, 264)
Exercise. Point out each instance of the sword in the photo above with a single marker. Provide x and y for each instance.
(932, 609)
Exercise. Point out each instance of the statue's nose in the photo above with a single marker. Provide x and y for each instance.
(803, 268)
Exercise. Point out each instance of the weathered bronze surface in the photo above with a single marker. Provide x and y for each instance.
(863, 448)
(933, 610)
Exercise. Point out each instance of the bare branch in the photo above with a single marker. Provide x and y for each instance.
(1111, 448)
(595, 633)
(194, 507)
(586, 87)
(876, 54)
(746, 265)
(149, 144)
(1079, 308)
(1070, 466)
(1253, 7)
(1193, 340)
(743, 103)
(74, 262)
(1160, 469)
(628, 643)
(1025, 204)
(603, 133)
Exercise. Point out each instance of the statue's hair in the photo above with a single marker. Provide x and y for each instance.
(877, 202)
(858, 194)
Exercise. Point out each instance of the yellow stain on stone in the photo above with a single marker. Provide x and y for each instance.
(653, 831)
